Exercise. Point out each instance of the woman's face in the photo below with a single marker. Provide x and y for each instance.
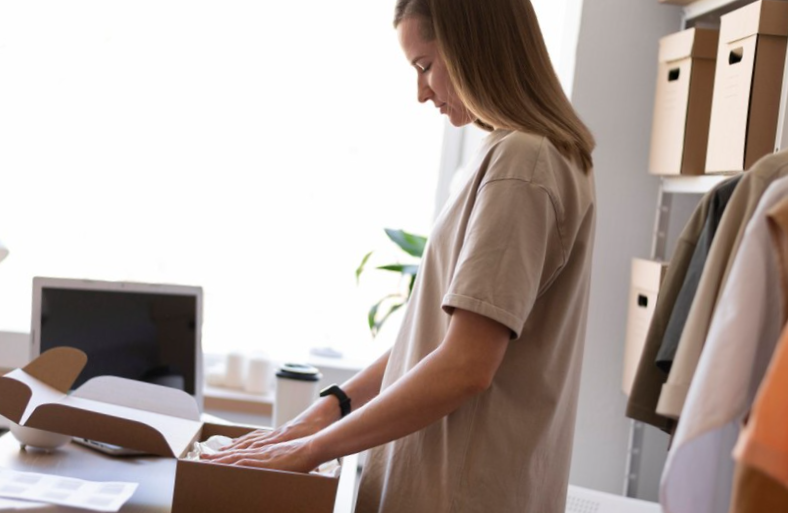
(433, 78)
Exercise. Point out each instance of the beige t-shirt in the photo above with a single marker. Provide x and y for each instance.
(514, 245)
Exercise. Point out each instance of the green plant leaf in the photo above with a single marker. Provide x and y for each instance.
(407, 269)
(362, 264)
(411, 284)
(373, 312)
(375, 328)
(411, 244)
(408, 242)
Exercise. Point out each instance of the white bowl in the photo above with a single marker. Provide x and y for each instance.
(37, 438)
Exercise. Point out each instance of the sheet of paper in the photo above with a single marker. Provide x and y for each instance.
(66, 491)
(9, 505)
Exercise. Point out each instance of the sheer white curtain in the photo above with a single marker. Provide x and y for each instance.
(257, 149)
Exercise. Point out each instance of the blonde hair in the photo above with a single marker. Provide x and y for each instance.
(498, 63)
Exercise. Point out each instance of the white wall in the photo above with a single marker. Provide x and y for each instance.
(613, 91)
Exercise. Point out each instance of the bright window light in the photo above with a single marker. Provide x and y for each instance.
(257, 149)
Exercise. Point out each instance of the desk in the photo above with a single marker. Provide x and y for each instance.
(156, 476)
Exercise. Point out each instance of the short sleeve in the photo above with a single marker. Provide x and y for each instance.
(511, 253)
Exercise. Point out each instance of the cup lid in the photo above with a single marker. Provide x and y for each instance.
(299, 371)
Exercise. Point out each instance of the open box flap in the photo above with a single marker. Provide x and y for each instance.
(159, 420)
(58, 368)
(149, 432)
(46, 379)
(140, 396)
(14, 398)
(21, 394)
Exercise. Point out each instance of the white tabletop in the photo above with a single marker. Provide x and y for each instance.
(156, 476)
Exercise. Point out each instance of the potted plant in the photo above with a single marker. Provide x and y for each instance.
(411, 244)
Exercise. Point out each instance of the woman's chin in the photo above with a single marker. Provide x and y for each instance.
(460, 122)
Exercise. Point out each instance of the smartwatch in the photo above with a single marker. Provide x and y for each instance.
(344, 400)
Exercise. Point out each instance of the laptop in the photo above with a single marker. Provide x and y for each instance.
(146, 332)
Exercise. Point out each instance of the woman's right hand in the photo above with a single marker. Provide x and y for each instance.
(314, 419)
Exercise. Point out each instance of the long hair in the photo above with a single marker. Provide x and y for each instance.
(498, 63)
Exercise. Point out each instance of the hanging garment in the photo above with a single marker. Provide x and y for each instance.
(762, 447)
(756, 492)
(698, 474)
(678, 316)
(643, 397)
(761, 452)
(740, 208)
(778, 228)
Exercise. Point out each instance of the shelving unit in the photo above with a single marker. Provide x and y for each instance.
(701, 13)
(707, 13)
(711, 10)
(691, 184)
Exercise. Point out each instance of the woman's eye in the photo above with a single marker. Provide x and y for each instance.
(424, 69)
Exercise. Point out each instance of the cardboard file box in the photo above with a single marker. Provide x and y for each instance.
(747, 85)
(646, 280)
(682, 106)
(157, 420)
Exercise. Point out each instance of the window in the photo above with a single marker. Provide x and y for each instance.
(257, 149)
(560, 24)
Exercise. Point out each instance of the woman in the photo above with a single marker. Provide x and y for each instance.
(473, 409)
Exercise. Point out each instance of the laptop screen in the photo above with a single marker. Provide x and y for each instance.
(136, 334)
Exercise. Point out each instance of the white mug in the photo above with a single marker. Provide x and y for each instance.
(296, 390)
(234, 372)
(258, 374)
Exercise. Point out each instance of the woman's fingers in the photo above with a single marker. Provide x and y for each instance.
(256, 437)
(286, 456)
(228, 457)
(252, 463)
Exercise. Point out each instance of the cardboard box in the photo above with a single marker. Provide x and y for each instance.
(747, 85)
(682, 105)
(157, 420)
(203, 486)
(646, 280)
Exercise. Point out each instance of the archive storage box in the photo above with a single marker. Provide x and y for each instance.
(646, 280)
(747, 85)
(682, 105)
(155, 420)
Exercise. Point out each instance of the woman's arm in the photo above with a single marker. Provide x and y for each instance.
(361, 388)
(462, 366)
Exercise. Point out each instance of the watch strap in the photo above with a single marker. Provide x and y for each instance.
(344, 400)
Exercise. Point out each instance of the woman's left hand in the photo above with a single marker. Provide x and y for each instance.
(294, 456)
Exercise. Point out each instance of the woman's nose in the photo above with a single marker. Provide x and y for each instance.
(424, 92)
